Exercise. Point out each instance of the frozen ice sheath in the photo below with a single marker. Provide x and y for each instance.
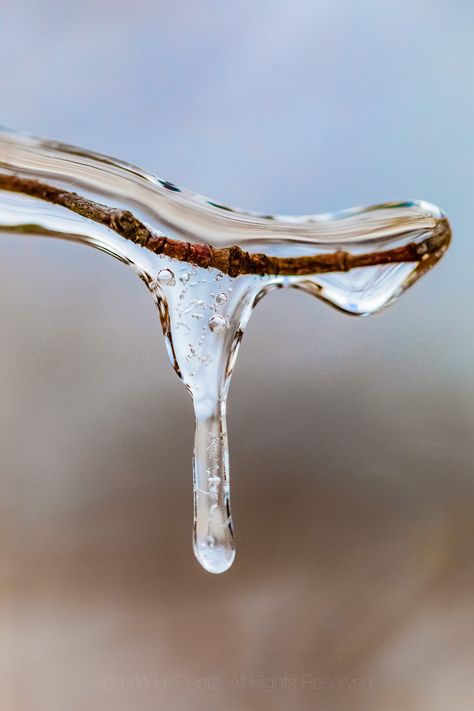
(209, 271)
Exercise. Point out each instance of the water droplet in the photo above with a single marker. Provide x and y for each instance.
(219, 276)
(221, 298)
(165, 277)
(216, 323)
(184, 278)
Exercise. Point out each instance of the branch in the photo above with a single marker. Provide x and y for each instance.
(233, 261)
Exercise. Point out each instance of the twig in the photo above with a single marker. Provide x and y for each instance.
(233, 261)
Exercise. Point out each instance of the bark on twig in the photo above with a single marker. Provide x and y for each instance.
(233, 261)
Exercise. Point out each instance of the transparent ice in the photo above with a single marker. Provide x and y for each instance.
(204, 312)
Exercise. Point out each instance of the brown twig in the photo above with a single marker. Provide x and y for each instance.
(233, 261)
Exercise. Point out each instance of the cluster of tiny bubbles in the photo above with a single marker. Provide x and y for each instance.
(216, 323)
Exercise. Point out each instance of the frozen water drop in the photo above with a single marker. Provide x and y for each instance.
(202, 361)
(216, 323)
(214, 557)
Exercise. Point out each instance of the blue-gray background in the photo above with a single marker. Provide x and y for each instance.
(351, 440)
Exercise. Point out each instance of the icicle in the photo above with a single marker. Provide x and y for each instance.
(204, 312)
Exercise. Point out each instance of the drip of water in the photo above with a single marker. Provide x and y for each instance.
(204, 312)
(202, 331)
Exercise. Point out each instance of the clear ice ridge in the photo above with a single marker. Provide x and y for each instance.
(204, 312)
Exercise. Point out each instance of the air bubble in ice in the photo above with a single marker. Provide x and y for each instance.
(165, 277)
(216, 323)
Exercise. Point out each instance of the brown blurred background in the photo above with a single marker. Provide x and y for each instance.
(352, 441)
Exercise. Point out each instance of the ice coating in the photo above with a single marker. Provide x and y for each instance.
(203, 314)
(204, 311)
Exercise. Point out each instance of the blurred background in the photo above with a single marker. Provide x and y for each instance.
(351, 440)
